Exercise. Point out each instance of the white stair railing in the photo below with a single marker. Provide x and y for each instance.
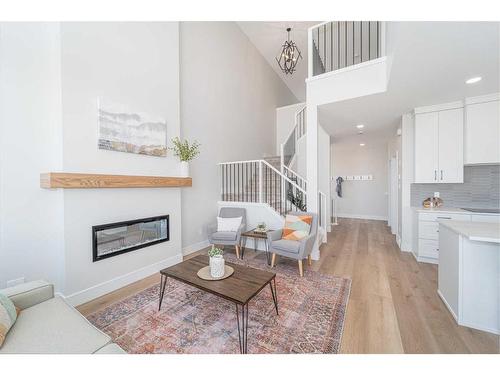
(259, 182)
(294, 176)
(288, 149)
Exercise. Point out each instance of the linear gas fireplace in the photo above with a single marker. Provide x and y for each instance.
(113, 239)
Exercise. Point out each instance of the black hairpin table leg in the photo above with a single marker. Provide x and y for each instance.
(163, 284)
(242, 327)
(274, 292)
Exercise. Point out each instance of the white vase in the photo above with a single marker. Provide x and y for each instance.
(184, 169)
(217, 266)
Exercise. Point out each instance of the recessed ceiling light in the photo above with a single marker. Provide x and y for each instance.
(360, 132)
(361, 144)
(360, 126)
(473, 80)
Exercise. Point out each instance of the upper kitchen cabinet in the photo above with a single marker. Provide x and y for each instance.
(482, 129)
(439, 132)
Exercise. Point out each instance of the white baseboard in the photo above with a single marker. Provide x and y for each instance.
(101, 289)
(447, 305)
(365, 217)
(195, 247)
(427, 260)
(405, 247)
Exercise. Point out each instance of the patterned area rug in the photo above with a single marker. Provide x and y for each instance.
(311, 317)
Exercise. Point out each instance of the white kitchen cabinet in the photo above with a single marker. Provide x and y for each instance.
(482, 129)
(439, 144)
(450, 146)
(426, 238)
(426, 147)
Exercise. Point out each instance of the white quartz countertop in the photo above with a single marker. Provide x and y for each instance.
(474, 231)
(451, 210)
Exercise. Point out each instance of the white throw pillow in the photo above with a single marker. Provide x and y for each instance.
(228, 224)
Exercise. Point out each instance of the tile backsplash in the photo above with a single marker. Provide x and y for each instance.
(481, 189)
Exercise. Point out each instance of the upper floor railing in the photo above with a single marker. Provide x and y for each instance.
(340, 44)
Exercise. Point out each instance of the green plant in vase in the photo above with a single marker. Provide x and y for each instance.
(216, 262)
(215, 251)
(185, 152)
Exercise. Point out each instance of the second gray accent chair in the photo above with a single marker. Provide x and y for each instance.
(298, 250)
(228, 238)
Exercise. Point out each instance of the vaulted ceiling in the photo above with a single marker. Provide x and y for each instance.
(268, 37)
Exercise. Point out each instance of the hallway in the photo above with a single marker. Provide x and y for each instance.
(393, 307)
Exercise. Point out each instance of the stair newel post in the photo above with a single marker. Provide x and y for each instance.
(260, 181)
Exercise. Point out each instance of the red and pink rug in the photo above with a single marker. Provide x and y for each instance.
(312, 311)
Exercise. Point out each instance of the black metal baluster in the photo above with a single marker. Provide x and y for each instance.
(338, 45)
(331, 46)
(378, 40)
(324, 45)
(352, 42)
(345, 42)
(319, 57)
(369, 40)
(361, 41)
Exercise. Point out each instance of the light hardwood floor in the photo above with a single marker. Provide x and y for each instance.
(393, 306)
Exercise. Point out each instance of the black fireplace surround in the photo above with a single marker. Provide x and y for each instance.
(113, 239)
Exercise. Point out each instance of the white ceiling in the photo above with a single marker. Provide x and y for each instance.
(431, 61)
(268, 37)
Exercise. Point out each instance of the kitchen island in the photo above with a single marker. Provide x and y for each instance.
(469, 272)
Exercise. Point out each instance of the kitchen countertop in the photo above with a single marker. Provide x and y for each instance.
(474, 231)
(451, 210)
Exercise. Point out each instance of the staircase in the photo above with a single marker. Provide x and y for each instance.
(270, 180)
(259, 181)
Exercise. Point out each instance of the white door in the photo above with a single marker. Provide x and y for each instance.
(451, 154)
(393, 199)
(426, 147)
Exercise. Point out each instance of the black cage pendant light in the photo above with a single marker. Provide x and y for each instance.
(289, 55)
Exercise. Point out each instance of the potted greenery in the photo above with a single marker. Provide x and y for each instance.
(216, 262)
(185, 152)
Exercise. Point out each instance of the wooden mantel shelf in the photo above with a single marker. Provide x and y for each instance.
(54, 180)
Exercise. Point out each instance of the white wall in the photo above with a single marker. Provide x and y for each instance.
(229, 95)
(361, 199)
(136, 64)
(285, 122)
(31, 219)
(324, 168)
(49, 123)
(407, 168)
(395, 151)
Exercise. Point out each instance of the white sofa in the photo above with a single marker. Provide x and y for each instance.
(48, 325)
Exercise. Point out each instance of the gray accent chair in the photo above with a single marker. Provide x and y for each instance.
(298, 250)
(228, 238)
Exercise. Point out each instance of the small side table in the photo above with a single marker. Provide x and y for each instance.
(256, 236)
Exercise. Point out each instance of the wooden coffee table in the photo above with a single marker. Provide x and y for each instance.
(239, 288)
